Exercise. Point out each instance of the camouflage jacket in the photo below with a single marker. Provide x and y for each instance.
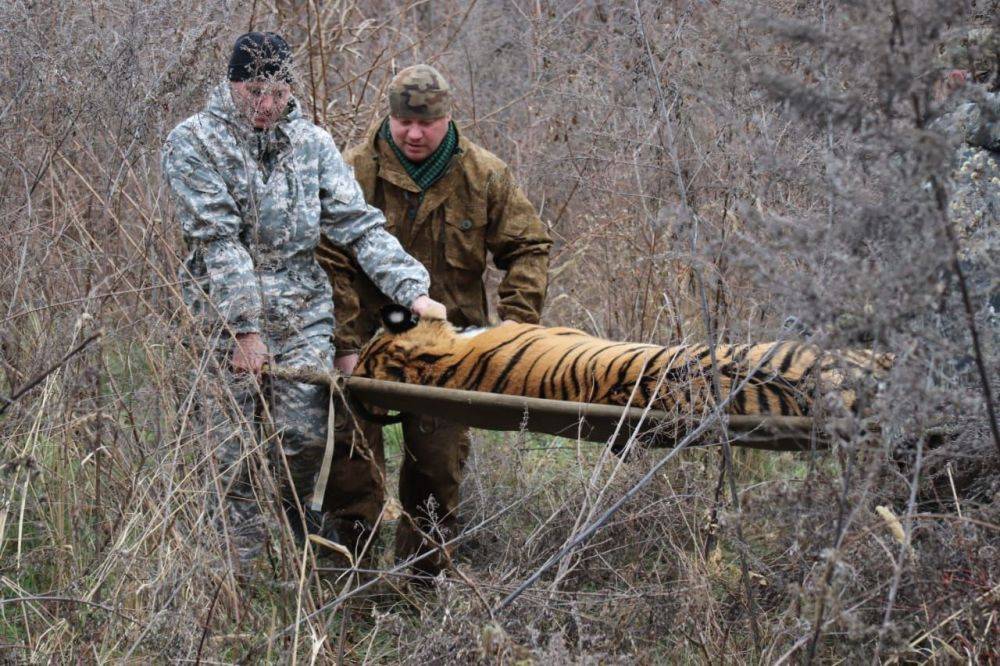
(252, 206)
(974, 183)
(475, 207)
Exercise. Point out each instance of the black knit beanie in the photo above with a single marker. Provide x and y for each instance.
(260, 55)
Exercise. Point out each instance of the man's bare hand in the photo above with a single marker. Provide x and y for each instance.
(427, 308)
(250, 354)
(345, 364)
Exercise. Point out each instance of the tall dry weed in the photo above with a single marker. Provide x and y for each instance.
(710, 170)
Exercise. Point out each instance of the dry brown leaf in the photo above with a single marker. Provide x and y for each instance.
(336, 547)
(392, 509)
(892, 522)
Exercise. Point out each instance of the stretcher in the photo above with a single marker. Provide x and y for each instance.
(605, 424)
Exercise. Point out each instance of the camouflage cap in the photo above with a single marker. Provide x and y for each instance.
(976, 50)
(419, 92)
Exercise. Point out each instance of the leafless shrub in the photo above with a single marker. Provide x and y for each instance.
(773, 156)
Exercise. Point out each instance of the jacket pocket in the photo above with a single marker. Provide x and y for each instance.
(465, 242)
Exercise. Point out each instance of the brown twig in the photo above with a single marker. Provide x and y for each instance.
(208, 620)
(584, 535)
(40, 377)
(727, 450)
(66, 600)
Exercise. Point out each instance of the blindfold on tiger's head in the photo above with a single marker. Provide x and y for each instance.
(397, 319)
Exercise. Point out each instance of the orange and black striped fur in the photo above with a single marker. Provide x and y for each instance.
(567, 364)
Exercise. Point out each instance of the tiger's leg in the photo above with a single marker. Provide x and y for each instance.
(434, 455)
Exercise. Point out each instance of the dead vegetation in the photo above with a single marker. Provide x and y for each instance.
(721, 170)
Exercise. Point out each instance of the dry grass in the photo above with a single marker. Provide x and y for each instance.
(706, 168)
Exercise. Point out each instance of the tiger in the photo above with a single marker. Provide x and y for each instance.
(773, 378)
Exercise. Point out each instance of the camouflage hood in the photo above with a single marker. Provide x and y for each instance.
(252, 206)
(221, 105)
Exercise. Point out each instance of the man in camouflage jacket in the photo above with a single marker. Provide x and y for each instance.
(256, 185)
(449, 201)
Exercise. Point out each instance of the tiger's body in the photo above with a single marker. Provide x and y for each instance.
(778, 378)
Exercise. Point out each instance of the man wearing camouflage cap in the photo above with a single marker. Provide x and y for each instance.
(449, 201)
(255, 185)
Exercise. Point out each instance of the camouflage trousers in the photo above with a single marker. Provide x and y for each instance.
(265, 441)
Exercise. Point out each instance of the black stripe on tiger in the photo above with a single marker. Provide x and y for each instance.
(450, 371)
(611, 364)
(786, 360)
(768, 378)
(577, 388)
(527, 374)
(593, 370)
(481, 366)
(501, 379)
(377, 348)
(623, 370)
(649, 375)
(554, 369)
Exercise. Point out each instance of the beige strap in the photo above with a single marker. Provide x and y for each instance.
(319, 489)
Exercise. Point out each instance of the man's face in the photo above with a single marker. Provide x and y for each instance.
(418, 139)
(262, 103)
